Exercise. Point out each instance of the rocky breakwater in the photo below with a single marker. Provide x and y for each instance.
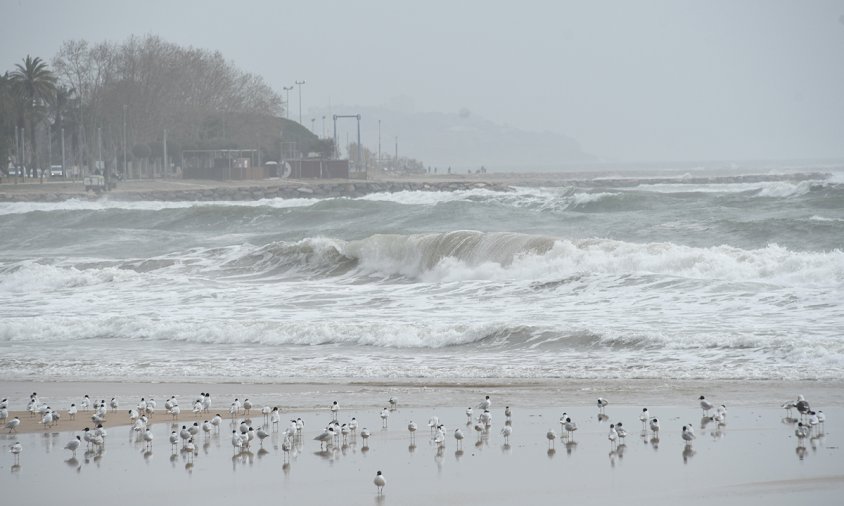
(165, 192)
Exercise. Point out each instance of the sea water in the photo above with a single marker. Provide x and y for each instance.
(637, 278)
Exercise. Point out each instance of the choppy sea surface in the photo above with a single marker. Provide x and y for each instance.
(712, 279)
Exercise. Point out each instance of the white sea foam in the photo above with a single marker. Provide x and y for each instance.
(7, 208)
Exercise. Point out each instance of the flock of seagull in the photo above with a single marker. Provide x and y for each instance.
(810, 424)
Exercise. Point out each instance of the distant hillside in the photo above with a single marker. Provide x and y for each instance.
(460, 140)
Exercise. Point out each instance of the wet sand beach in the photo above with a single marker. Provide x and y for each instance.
(753, 458)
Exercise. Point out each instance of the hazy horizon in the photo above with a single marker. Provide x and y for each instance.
(661, 81)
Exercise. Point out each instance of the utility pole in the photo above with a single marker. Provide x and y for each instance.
(64, 168)
(166, 165)
(323, 126)
(300, 83)
(125, 175)
(287, 101)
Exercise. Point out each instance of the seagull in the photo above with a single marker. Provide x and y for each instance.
(821, 419)
(380, 482)
(17, 448)
(184, 434)
(551, 436)
(602, 403)
(206, 428)
(411, 427)
(325, 437)
(71, 412)
(802, 432)
(508, 413)
(480, 430)
(353, 425)
(485, 404)
(802, 405)
(394, 402)
(174, 411)
(148, 437)
(813, 421)
(73, 444)
(247, 406)
(570, 427)
(197, 407)
(433, 423)
(285, 447)
(114, 404)
(266, 412)
(275, 418)
(237, 443)
(47, 420)
(385, 413)
(439, 437)
(190, 448)
(622, 433)
(613, 435)
(788, 406)
(216, 421)
(174, 440)
(458, 435)
(364, 434)
(12, 424)
(644, 417)
(654, 426)
(688, 436)
(262, 434)
(705, 405)
(335, 409)
(4, 414)
(86, 403)
(506, 432)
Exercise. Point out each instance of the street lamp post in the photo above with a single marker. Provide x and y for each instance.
(313, 125)
(287, 100)
(300, 83)
(125, 106)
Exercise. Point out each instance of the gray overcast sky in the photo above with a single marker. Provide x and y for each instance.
(649, 80)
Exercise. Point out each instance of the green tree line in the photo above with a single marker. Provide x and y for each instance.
(91, 95)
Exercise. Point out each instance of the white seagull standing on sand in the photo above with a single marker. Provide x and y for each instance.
(705, 405)
(506, 432)
(12, 424)
(570, 428)
(613, 435)
(655, 427)
(379, 482)
(688, 436)
(485, 404)
(458, 435)
(73, 444)
(148, 437)
(468, 415)
(622, 433)
(394, 402)
(364, 434)
(411, 427)
(385, 413)
(335, 410)
(508, 413)
(551, 436)
(602, 403)
(17, 448)
(644, 417)
(802, 432)
(71, 411)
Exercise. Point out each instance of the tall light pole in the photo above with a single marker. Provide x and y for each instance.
(287, 100)
(323, 126)
(313, 125)
(300, 83)
(125, 106)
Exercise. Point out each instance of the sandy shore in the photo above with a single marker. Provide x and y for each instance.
(754, 458)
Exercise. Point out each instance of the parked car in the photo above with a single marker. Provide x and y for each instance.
(56, 171)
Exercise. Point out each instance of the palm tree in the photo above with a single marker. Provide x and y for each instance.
(35, 86)
(8, 115)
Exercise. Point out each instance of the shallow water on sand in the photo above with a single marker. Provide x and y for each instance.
(753, 459)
